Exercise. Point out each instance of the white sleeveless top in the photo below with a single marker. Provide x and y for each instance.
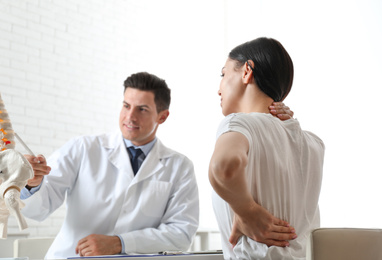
(284, 175)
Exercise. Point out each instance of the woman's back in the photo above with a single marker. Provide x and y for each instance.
(284, 174)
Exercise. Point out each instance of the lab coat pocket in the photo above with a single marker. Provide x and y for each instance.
(154, 197)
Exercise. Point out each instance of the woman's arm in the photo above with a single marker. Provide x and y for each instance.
(227, 177)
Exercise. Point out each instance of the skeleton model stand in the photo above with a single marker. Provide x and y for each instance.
(15, 171)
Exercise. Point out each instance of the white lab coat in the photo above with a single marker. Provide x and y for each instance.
(156, 210)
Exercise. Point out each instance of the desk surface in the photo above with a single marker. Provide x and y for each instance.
(164, 257)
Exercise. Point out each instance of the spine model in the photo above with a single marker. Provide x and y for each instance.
(6, 132)
(15, 170)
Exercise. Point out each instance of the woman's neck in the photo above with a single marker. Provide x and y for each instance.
(255, 100)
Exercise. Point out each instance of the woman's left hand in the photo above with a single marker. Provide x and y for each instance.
(280, 110)
(263, 227)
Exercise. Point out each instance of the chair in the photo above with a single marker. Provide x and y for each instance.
(34, 248)
(345, 244)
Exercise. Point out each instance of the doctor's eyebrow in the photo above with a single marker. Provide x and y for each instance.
(140, 106)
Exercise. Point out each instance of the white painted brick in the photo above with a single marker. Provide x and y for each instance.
(4, 43)
(53, 89)
(31, 140)
(67, 5)
(45, 223)
(61, 74)
(34, 112)
(5, 7)
(66, 103)
(47, 231)
(49, 124)
(13, 92)
(54, 41)
(24, 84)
(76, 29)
(44, 65)
(40, 96)
(18, 4)
(32, 3)
(67, 119)
(4, 80)
(66, 135)
(22, 30)
(38, 148)
(75, 18)
(5, 26)
(24, 66)
(38, 132)
(58, 50)
(19, 120)
(7, 71)
(75, 95)
(22, 48)
(32, 230)
(58, 26)
(39, 44)
(57, 221)
(53, 57)
(45, 8)
(18, 38)
(13, 55)
(33, 78)
(47, 83)
(8, 18)
(22, 13)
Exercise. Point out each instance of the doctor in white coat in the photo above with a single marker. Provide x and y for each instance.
(111, 210)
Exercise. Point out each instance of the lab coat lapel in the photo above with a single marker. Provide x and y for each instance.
(117, 155)
(154, 162)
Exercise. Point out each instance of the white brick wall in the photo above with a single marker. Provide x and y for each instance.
(61, 74)
(63, 63)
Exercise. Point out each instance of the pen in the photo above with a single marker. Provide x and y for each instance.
(219, 251)
(24, 145)
(171, 253)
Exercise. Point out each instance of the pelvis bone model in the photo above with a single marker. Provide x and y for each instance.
(15, 170)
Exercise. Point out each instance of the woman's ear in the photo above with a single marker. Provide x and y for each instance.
(248, 72)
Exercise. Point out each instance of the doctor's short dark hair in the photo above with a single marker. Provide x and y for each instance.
(145, 81)
(273, 67)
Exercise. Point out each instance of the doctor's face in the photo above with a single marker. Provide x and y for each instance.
(139, 119)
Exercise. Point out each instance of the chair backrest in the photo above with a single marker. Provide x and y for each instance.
(34, 248)
(345, 244)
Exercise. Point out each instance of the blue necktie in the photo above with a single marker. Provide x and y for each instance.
(135, 153)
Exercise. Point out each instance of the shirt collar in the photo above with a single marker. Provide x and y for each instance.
(146, 148)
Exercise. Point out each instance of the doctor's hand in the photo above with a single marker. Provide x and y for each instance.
(99, 245)
(281, 111)
(40, 169)
(259, 225)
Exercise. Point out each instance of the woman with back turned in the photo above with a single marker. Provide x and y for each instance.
(265, 172)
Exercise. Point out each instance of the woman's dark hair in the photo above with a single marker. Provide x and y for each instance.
(148, 82)
(273, 70)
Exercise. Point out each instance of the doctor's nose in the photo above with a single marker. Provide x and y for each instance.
(130, 115)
